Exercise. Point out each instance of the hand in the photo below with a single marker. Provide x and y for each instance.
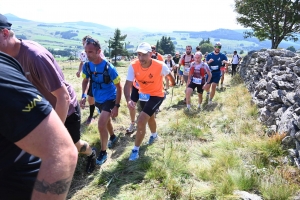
(82, 103)
(131, 105)
(78, 74)
(172, 84)
(114, 112)
(211, 60)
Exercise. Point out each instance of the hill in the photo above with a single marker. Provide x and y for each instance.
(67, 36)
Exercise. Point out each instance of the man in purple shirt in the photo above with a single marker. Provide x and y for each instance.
(44, 73)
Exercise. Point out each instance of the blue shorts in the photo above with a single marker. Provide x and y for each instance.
(215, 78)
(180, 72)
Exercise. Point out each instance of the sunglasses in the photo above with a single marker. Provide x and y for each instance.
(92, 41)
(153, 48)
(218, 47)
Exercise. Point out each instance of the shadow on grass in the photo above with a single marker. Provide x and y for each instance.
(123, 173)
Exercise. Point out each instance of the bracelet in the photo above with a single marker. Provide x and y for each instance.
(83, 96)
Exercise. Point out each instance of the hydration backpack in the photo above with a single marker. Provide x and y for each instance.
(106, 77)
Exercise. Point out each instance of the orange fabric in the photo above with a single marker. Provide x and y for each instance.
(150, 79)
(160, 57)
(134, 84)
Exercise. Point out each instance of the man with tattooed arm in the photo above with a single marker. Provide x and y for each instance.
(37, 155)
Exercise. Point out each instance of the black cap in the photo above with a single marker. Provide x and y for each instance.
(4, 23)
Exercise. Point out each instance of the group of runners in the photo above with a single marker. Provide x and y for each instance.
(40, 132)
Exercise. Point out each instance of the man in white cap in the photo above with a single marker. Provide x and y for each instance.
(149, 74)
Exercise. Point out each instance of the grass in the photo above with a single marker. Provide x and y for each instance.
(204, 154)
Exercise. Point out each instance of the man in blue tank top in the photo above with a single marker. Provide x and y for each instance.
(215, 60)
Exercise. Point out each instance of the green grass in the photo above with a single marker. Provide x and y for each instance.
(200, 155)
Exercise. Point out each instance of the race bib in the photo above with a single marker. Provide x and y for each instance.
(197, 80)
(214, 67)
(187, 70)
(144, 97)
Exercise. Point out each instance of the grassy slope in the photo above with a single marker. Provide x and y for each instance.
(200, 155)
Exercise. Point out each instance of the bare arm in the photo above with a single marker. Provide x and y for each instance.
(51, 142)
(171, 79)
(114, 111)
(84, 84)
(62, 102)
(79, 69)
(127, 90)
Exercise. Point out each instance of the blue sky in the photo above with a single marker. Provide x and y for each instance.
(157, 15)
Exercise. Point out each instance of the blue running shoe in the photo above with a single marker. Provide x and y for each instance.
(152, 139)
(101, 158)
(111, 143)
(134, 155)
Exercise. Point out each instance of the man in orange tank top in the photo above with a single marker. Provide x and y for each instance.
(149, 74)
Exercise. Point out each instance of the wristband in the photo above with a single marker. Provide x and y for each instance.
(83, 96)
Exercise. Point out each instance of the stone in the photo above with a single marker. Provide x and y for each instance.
(263, 94)
(297, 63)
(297, 135)
(271, 87)
(285, 125)
(271, 130)
(246, 195)
(296, 69)
(264, 114)
(288, 142)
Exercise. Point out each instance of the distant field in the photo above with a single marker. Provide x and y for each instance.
(46, 36)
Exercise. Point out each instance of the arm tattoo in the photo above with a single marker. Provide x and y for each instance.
(83, 148)
(59, 187)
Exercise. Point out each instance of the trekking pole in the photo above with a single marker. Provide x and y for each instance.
(171, 97)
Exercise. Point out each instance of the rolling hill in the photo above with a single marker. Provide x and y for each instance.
(68, 35)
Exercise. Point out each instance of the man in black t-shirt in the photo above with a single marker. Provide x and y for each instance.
(28, 123)
(176, 59)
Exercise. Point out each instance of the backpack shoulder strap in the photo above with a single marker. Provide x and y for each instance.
(166, 61)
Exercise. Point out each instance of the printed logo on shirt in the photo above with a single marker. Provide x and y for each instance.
(32, 104)
(146, 82)
(150, 75)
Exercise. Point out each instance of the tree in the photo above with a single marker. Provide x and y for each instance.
(117, 45)
(205, 41)
(206, 47)
(291, 48)
(165, 46)
(242, 51)
(275, 20)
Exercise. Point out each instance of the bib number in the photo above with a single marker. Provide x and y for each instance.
(197, 80)
(214, 67)
(144, 97)
(187, 70)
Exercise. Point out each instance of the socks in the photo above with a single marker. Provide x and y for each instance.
(103, 152)
(188, 106)
(199, 105)
(136, 148)
(154, 135)
(92, 109)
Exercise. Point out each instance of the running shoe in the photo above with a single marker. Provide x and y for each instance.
(152, 140)
(101, 158)
(131, 128)
(112, 142)
(134, 155)
(89, 120)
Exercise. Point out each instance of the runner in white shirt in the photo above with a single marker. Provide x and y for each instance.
(171, 65)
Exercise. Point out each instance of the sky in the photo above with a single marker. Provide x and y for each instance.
(154, 15)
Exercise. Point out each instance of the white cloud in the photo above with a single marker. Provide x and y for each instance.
(162, 15)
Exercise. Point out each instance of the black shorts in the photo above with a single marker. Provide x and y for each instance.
(134, 94)
(17, 181)
(90, 91)
(198, 86)
(106, 106)
(73, 124)
(150, 106)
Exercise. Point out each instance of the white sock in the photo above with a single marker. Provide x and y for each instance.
(207, 93)
(188, 106)
(199, 105)
(136, 148)
(154, 135)
(210, 99)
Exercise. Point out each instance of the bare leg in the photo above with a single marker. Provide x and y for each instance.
(213, 90)
(141, 128)
(83, 147)
(103, 124)
(152, 124)
(188, 95)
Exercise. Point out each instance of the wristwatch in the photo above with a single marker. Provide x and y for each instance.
(117, 105)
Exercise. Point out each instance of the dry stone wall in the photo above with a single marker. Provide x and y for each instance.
(273, 78)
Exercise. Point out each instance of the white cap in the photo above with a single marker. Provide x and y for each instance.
(144, 48)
